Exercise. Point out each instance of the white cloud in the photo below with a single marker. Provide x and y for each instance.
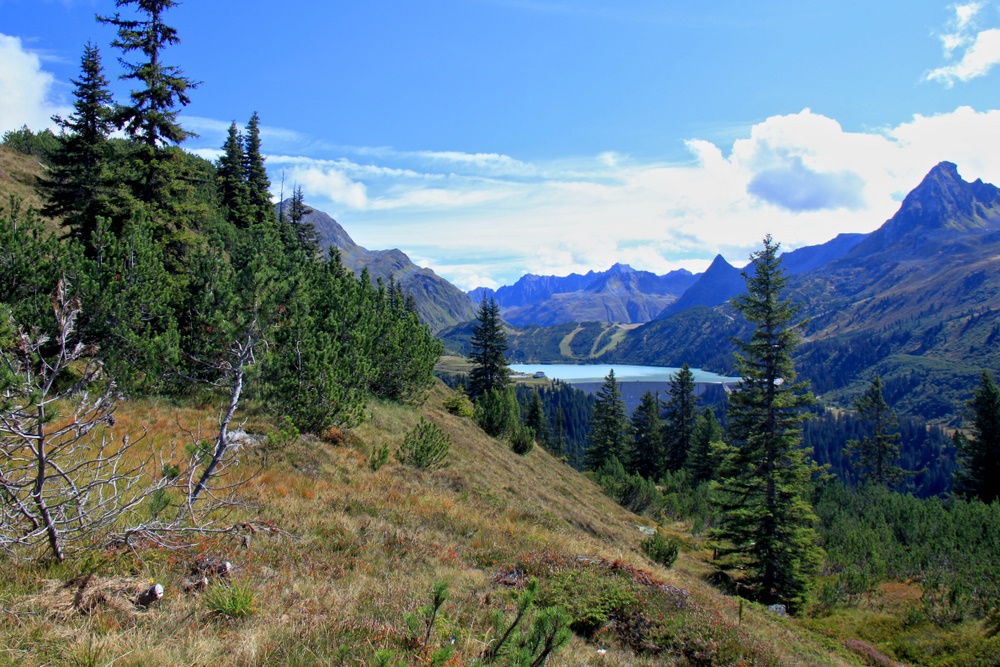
(979, 50)
(25, 89)
(588, 213)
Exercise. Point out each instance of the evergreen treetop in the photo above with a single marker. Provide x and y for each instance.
(488, 351)
(152, 116)
(648, 455)
(78, 184)
(681, 415)
(609, 427)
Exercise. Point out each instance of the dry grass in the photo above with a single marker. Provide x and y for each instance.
(361, 548)
(19, 177)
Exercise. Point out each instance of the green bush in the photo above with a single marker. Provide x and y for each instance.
(459, 404)
(661, 550)
(497, 412)
(522, 439)
(425, 447)
(632, 492)
(590, 597)
(378, 458)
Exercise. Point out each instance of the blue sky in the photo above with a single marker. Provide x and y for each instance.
(489, 138)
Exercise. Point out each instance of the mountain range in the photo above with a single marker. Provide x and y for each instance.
(916, 301)
(620, 294)
(439, 303)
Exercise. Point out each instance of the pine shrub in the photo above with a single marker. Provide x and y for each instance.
(522, 439)
(497, 412)
(425, 447)
(660, 549)
(459, 404)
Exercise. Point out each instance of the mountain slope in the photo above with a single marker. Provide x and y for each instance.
(720, 282)
(810, 258)
(439, 303)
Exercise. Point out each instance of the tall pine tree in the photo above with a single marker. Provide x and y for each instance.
(151, 118)
(258, 184)
(681, 415)
(877, 455)
(609, 427)
(706, 443)
(231, 180)
(978, 473)
(488, 355)
(648, 456)
(766, 522)
(78, 184)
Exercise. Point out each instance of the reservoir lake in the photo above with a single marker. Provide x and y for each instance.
(580, 374)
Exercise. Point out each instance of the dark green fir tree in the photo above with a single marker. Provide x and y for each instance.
(258, 184)
(231, 180)
(161, 89)
(648, 456)
(978, 473)
(681, 415)
(488, 354)
(304, 231)
(78, 184)
(609, 436)
(765, 521)
(706, 447)
(876, 455)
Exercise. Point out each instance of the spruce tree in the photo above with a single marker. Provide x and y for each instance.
(258, 184)
(535, 418)
(78, 184)
(231, 180)
(978, 473)
(608, 437)
(765, 524)
(681, 415)
(706, 442)
(876, 455)
(305, 233)
(647, 438)
(151, 118)
(488, 355)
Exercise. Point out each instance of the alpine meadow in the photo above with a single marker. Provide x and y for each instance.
(232, 435)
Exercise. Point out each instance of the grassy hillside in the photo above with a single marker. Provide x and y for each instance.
(19, 175)
(338, 554)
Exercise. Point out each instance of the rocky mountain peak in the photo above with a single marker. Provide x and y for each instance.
(944, 200)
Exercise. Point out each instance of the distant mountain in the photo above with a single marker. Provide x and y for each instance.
(813, 257)
(720, 282)
(439, 303)
(917, 301)
(620, 294)
(937, 256)
(531, 289)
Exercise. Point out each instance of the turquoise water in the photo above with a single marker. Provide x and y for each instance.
(574, 374)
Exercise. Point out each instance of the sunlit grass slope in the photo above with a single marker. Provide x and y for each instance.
(338, 553)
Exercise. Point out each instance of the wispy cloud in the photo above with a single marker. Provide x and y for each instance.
(800, 176)
(977, 49)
